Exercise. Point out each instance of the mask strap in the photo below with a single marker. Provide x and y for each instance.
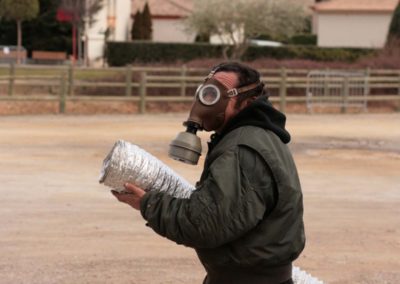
(212, 72)
(210, 75)
(234, 92)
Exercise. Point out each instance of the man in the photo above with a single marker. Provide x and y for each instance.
(245, 218)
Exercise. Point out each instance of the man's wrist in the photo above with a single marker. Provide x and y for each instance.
(146, 203)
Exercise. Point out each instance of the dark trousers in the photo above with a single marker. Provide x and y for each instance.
(274, 275)
(290, 281)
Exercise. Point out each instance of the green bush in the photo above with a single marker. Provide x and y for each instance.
(304, 39)
(123, 53)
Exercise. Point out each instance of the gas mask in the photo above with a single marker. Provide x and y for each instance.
(207, 113)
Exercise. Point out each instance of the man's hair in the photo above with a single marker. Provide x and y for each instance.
(246, 76)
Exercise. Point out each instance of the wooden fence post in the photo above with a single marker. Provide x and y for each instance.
(11, 79)
(128, 91)
(398, 93)
(326, 83)
(183, 81)
(345, 94)
(366, 88)
(283, 91)
(71, 80)
(62, 94)
(142, 92)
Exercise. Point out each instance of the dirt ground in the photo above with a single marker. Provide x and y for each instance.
(58, 225)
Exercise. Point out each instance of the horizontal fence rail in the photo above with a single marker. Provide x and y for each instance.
(136, 84)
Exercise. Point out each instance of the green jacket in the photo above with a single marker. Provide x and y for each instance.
(246, 212)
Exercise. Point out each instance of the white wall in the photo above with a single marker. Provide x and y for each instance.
(170, 30)
(121, 10)
(352, 30)
(123, 20)
(95, 43)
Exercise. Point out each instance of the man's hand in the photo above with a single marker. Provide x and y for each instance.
(131, 196)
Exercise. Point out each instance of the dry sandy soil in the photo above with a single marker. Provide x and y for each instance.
(58, 225)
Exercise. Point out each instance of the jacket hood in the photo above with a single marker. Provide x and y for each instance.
(262, 114)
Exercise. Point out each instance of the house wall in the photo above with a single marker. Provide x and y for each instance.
(95, 39)
(123, 20)
(120, 10)
(170, 30)
(352, 30)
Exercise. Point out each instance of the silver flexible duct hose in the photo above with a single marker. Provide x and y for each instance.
(127, 162)
(301, 277)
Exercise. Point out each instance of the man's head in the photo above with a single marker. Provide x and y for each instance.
(245, 76)
(226, 90)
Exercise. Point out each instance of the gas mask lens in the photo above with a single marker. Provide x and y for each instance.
(208, 94)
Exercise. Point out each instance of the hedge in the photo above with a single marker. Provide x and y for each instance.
(123, 53)
(304, 39)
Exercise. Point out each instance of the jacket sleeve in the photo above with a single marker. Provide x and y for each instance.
(231, 200)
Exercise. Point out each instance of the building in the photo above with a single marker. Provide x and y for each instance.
(112, 22)
(353, 23)
(167, 19)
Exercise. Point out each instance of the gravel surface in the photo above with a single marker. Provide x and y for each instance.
(58, 225)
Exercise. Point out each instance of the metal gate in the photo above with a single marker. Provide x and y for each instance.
(337, 89)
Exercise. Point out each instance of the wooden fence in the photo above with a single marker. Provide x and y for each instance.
(134, 83)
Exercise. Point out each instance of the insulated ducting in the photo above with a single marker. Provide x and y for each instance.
(301, 277)
(127, 162)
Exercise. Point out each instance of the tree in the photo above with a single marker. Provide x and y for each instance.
(137, 26)
(41, 33)
(45, 32)
(235, 22)
(19, 11)
(142, 24)
(147, 24)
(202, 38)
(394, 29)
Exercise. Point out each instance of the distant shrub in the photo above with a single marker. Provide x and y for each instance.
(123, 53)
(304, 39)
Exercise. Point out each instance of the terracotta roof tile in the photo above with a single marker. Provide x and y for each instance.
(177, 8)
(356, 6)
(165, 8)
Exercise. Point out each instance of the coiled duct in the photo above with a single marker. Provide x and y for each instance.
(127, 162)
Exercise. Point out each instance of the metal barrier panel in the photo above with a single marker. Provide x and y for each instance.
(337, 89)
